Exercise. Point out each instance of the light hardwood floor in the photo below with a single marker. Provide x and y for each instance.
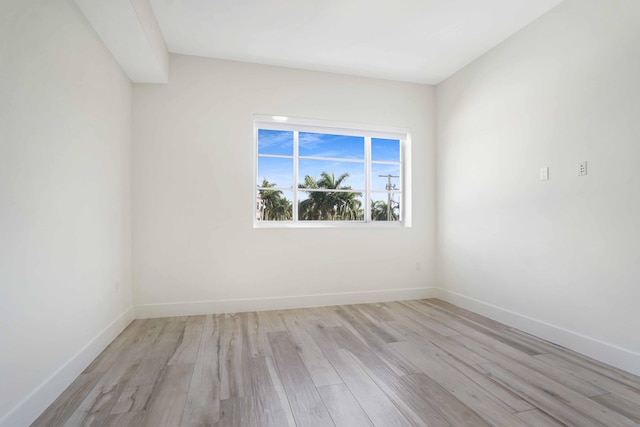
(411, 363)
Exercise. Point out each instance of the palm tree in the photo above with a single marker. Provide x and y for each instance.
(283, 210)
(273, 205)
(330, 205)
(380, 210)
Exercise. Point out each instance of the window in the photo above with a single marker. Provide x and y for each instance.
(312, 173)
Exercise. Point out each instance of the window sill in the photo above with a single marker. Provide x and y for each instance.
(328, 224)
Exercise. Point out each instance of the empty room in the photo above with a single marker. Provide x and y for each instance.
(319, 213)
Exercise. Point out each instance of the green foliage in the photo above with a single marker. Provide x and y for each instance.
(273, 207)
(322, 205)
(330, 205)
(380, 211)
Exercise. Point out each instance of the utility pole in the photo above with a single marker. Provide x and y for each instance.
(389, 187)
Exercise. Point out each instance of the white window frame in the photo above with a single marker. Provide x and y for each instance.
(297, 125)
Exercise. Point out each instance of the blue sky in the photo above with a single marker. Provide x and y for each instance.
(324, 145)
(385, 149)
(377, 169)
(275, 170)
(275, 142)
(280, 170)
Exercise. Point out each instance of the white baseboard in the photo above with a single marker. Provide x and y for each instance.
(278, 303)
(605, 352)
(30, 408)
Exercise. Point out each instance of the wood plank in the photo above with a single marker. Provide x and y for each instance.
(268, 407)
(148, 371)
(355, 317)
(234, 359)
(126, 419)
(132, 399)
(236, 412)
(462, 313)
(537, 418)
(257, 341)
(189, 341)
(413, 407)
(540, 345)
(504, 395)
(441, 402)
(459, 386)
(202, 405)
(323, 336)
(99, 401)
(343, 407)
(420, 316)
(604, 383)
(571, 356)
(166, 404)
(270, 321)
(558, 401)
(622, 406)
(376, 312)
(414, 332)
(357, 338)
(456, 359)
(380, 410)
(145, 338)
(507, 357)
(469, 328)
(306, 404)
(404, 313)
(114, 350)
(321, 371)
(157, 348)
(540, 398)
(169, 338)
(68, 402)
(279, 388)
(325, 316)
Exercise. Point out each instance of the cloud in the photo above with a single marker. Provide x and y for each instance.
(326, 145)
(275, 138)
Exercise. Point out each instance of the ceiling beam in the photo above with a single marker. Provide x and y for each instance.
(130, 31)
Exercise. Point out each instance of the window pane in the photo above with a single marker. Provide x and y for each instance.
(275, 172)
(314, 170)
(385, 149)
(385, 206)
(274, 205)
(275, 142)
(325, 145)
(384, 175)
(330, 206)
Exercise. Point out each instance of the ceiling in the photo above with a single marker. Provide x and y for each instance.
(421, 41)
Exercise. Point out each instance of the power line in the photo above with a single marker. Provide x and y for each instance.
(389, 188)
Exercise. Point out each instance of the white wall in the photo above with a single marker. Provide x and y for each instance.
(560, 258)
(65, 211)
(194, 193)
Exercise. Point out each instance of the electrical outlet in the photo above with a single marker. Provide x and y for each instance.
(582, 168)
(418, 266)
(544, 174)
